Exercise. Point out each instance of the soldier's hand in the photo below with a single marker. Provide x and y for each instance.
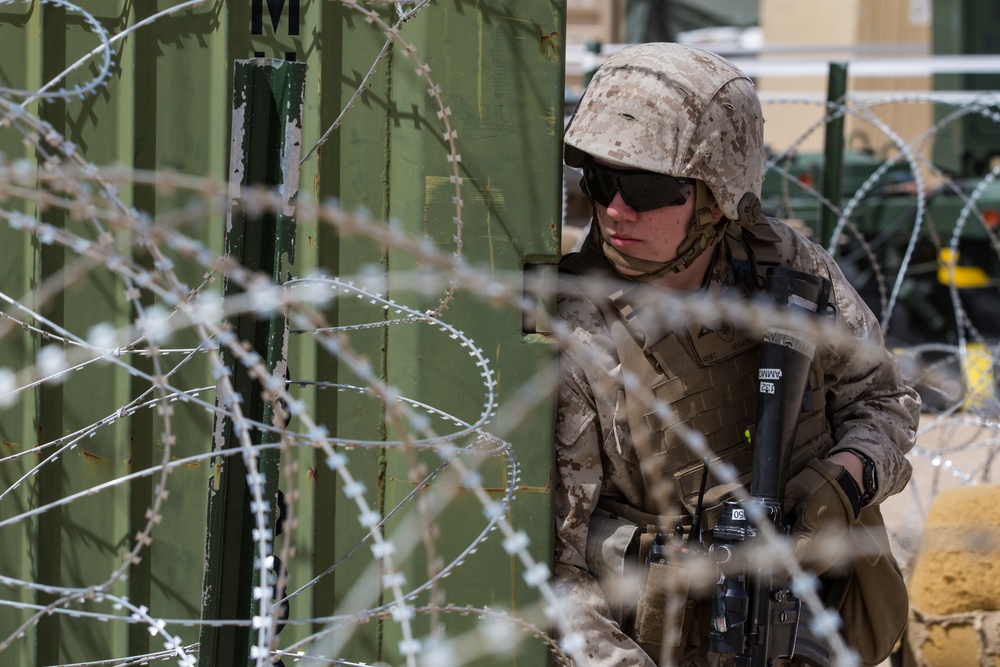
(821, 513)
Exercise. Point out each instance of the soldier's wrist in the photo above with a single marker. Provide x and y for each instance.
(864, 475)
(852, 490)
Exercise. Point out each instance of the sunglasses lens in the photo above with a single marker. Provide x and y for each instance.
(646, 191)
(642, 190)
(599, 184)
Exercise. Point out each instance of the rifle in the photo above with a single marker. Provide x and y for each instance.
(756, 617)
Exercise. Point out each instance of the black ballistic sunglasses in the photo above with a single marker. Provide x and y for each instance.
(641, 190)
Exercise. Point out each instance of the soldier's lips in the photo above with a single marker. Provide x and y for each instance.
(623, 241)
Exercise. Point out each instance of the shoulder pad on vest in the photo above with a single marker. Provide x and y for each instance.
(762, 231)
(753, 250)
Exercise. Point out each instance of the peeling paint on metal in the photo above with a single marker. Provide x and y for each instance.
(292, 147)
(237, 166)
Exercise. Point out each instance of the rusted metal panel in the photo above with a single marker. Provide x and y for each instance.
(266, 142)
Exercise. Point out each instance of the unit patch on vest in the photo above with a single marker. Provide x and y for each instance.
(724, 327)
(718, 340)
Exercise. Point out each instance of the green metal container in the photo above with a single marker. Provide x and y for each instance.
(166, 105)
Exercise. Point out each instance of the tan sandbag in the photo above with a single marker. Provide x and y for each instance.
(955, 584)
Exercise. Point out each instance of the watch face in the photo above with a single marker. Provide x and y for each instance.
(868, 476)
(871, 485)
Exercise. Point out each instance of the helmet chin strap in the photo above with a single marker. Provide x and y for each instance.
(701, 236)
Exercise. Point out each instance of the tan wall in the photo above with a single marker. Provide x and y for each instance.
(846, 23)
(888, 21)
(588, 21)
(595, 20)
(816, 22)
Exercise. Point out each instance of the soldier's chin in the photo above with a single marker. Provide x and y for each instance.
(627, 272)
(632, 273)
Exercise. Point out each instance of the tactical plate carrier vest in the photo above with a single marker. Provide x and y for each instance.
(706, 372)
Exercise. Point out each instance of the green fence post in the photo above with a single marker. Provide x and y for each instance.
(266, 141)
(833, 167)
(51, 479)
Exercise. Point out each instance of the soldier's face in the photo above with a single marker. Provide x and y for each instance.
(651, 235)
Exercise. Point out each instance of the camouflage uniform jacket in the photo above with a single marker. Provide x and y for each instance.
(867, 406)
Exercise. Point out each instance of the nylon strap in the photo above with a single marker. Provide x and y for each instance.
(644, 520)
(753, 249)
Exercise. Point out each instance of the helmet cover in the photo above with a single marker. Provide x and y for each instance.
(676, 110)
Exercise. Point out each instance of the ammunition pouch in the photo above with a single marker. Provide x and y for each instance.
(664, 613)
(648, 598)
(613, 559)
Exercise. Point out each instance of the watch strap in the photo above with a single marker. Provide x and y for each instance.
(869, 476)
(851, 489)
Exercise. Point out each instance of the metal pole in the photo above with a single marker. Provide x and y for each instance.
(266, 140)
(833, 163)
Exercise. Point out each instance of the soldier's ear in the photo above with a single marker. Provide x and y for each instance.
(716, 211)
(714, 208)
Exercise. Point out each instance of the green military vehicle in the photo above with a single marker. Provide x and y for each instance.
(924, 252)
(926, 261)
(889, 228)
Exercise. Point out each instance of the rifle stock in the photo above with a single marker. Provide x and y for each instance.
(756, 617)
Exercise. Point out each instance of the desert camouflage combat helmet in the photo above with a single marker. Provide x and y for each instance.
(675, 110)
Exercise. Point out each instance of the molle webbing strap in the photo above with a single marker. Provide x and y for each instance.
(626, 304)
(645, 520)
(634, 361)
(644, 372)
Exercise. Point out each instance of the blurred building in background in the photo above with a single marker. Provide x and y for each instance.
(806, 36)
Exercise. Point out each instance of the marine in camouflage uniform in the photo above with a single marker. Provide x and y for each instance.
(674, 110)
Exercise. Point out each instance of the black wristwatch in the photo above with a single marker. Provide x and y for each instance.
(868, 476)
